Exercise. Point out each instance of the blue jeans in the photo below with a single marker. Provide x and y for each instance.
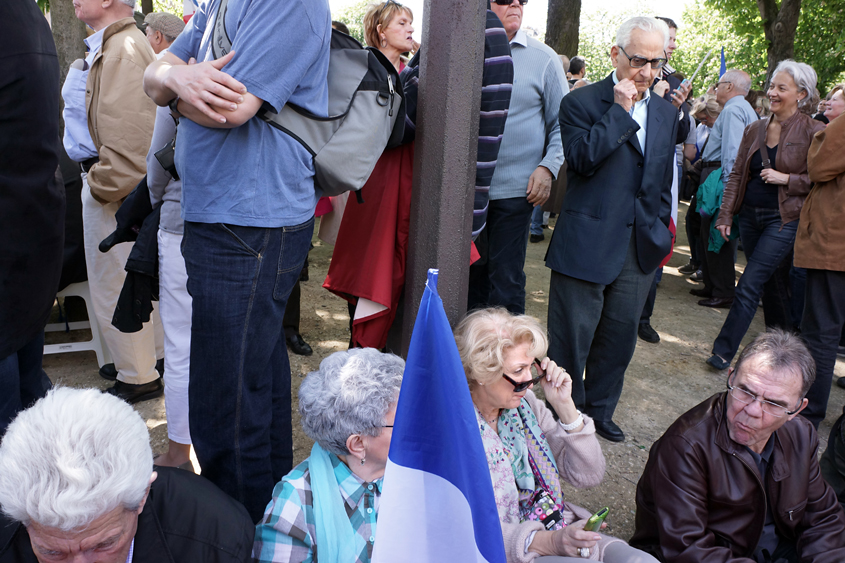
(240, 279)
(536, 227)
(22, 380)
(498, 278)
(765, 244)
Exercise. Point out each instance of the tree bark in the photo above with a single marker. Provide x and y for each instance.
(69, 35)
(779, 25)
(146, 6)
(562, 24)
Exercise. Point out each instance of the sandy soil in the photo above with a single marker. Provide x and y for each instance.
(663, 381)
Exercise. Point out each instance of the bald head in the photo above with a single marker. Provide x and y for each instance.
(740, 80)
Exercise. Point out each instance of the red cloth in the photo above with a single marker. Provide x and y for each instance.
(324, 205)
(372, 243)
(673, 230)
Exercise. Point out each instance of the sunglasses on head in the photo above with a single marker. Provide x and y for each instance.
(509, 2)
(523, 385)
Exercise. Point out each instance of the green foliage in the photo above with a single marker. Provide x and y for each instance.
(705, 28)
(353, 17)
(44, 5)
(736, 25)
(172, 6)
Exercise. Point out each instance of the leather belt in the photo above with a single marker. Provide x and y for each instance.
(86, 165)
(711, 164)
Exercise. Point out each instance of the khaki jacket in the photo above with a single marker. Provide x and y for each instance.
(120, 115)
(820, 242)
(795, 136)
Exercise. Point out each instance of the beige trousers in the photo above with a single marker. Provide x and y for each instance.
(134, 354)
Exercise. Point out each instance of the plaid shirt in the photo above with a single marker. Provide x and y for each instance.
(286, 533)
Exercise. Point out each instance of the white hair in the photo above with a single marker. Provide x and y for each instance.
(350, 394)
(72, 457)
(740, 80)
(643, 23)
(130, 3)
(805, 78)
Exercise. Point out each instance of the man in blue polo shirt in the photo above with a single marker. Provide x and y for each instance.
(248, 201)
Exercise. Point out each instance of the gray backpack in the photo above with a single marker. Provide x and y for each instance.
(365, 116)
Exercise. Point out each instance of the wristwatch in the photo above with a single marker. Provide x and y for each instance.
(173, 105)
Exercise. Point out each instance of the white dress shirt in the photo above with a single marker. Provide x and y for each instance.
(639, 112)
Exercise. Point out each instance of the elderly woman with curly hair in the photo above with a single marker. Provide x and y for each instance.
(766, 189)
(528, 452)
(329, 502)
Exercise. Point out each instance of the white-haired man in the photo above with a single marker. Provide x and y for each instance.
(737, 477)
(720, 151)
(108, 127)
(77, 484)
(613, 230)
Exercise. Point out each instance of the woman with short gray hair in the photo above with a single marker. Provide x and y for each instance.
(347, 407)
(766, 189)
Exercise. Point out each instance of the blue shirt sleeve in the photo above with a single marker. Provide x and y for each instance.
(555, 87)
(187, 45)
(732, 131)
(276, 44)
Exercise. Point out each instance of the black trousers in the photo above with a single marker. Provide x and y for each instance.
(821, 328)
(718, 267)
(593, 327)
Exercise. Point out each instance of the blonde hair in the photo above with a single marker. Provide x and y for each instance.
(708, 105)
(381, 15)
(485, 335)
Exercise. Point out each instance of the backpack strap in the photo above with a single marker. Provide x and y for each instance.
(220, 42)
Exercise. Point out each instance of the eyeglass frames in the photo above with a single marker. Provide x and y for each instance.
(523, 385)
(640, 62)
(720, 83)
(747, 398)
(509, 2)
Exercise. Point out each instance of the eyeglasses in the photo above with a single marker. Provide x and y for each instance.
(720, 83)
(509, 2)
(523, 385)
(640, 62)
(748, 398)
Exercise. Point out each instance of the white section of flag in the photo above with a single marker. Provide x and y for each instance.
(437, 524)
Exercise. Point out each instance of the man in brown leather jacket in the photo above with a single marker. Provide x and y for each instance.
(737, 478)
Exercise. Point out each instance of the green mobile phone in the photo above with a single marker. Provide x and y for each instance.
(594, 523)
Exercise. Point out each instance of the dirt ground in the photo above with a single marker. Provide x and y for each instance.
(663, 381)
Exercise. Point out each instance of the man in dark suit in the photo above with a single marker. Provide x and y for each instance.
(613, 232)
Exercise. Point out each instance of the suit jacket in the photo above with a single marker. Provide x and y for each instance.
(614, 190)
(186, 519)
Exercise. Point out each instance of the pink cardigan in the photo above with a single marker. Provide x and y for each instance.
(581, 464)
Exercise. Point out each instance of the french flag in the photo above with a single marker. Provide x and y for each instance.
(437, 502)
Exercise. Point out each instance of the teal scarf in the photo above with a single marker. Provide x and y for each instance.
(533, 463)
(337, 540)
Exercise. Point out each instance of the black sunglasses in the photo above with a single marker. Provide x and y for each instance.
(640, 62)
(509, 2)
(523, 385)
(385, 5)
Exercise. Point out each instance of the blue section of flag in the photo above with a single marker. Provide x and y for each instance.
(722, 67)
(436, 430)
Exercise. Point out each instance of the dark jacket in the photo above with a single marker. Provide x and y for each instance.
(186, 519)
(795, 137)
(612, 187)
(32, 199)
(701, 496)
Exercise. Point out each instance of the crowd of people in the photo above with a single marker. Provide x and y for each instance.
(197, 218)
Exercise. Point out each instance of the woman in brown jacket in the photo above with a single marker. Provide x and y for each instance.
(767, 187)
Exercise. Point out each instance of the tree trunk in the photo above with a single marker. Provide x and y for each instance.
(562, 24)
(69, 35)
(146, 6)
(779, 25)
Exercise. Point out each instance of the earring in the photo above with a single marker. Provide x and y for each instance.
(363, 459)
